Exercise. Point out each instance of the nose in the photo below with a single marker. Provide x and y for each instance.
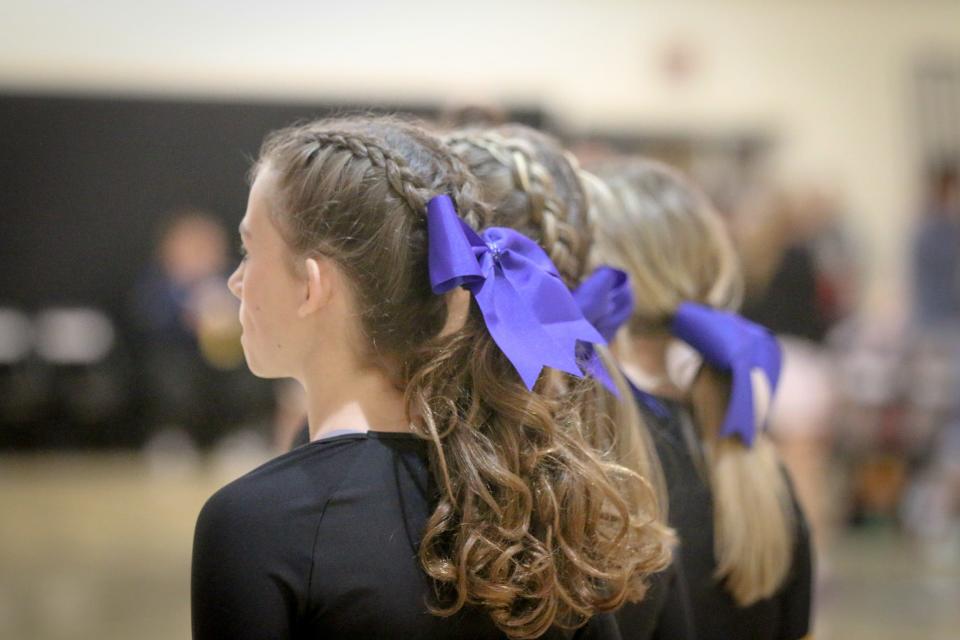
(235, 283)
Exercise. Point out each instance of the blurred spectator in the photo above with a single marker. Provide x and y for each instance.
(790, 243)
(932, 383)
(796, 285)
(936, 253)
(189, 335)
(191, 253)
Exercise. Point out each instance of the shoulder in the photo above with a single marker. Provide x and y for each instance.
(297, 482)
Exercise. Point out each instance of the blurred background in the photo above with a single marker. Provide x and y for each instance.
(827, 132)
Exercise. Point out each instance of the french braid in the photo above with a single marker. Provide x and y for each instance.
(401, 179)
(546, 212)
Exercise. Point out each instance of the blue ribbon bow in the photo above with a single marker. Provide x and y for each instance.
(606, 300)
(733, 344)
(529, 312)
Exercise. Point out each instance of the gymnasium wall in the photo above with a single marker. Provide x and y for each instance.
(830, 82)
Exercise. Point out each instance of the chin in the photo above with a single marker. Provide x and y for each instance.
(256, 368)
(252, 364)
(262, 371)
(260, 368)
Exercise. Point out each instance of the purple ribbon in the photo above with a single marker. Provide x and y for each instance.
(529, 312)
(606, 300)
(732, 344)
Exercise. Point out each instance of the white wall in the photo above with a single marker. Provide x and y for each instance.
(828, 78)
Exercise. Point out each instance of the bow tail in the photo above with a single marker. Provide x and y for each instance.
(740, 419)
(770, 359)
(518, 332)
(592, 365)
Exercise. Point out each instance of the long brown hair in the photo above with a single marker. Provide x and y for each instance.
(530, 522)
(534, 186)
(664, 232)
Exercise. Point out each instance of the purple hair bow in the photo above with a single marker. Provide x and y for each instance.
(606, 300)
(530, 313)
(733, 344)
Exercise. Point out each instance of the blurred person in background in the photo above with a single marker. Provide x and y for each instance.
(194, 387)
(778, 236)
(745, 547)
(936, 254)
(932, 380)
(798, 285)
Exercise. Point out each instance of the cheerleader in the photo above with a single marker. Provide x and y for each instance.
(534, 187)
(710, 375)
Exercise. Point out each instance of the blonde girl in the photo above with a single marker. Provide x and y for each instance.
(744, 543)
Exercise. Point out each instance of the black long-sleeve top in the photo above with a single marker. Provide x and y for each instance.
(321, 542)
(664, 613)
(716, 616)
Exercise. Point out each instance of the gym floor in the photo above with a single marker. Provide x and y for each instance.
(98, 546)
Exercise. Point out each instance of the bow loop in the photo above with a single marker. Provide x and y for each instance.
(527, 309)
(606, 300)
(733, 344)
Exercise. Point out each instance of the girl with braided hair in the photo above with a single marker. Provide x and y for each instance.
(448, 490)
(535, 187)
(745, 547)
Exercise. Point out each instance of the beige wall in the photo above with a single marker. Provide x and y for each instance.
(828, 79)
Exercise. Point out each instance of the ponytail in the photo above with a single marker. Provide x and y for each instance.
(753, 513)
(531, 523)
(534, 186)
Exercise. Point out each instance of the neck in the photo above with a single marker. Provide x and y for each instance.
(361, 400)
(644, 362)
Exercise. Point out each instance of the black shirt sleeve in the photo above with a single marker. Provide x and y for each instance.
(665, 610)
(236, 591)
(638, 620)
(676, 617)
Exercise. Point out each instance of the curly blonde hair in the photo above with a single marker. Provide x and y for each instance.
(530, 522)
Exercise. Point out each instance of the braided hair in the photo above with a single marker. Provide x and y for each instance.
(526, 195)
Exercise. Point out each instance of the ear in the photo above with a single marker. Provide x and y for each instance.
(320, 282)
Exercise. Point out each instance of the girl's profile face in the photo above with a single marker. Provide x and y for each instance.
(268, 290)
